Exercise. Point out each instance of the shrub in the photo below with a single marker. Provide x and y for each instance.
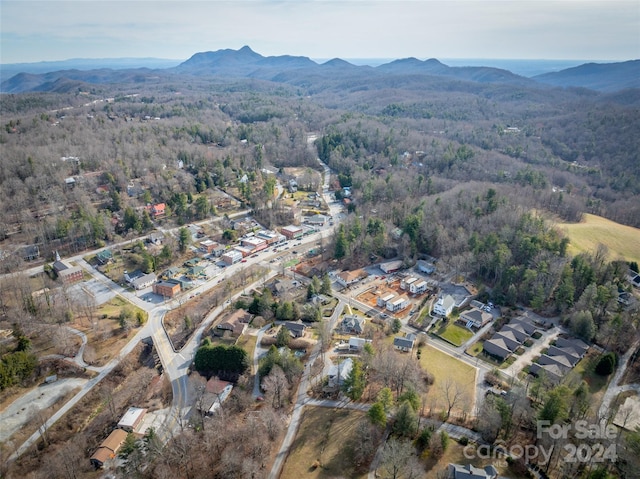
(606, 364)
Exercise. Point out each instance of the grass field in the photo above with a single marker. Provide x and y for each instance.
(455, 334)
(325, 435)
(445, 367)
(475, 348)
(623, 241)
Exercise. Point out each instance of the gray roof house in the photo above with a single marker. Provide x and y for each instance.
(404, 344)
(509, 339)
(458, 471)
(296, 329)
(574, 343)
(352, 324)
(571, 354)
(475, 318)
(339, 372)
(517, 330)
(560, 361)
(551, 371)
(497, 348)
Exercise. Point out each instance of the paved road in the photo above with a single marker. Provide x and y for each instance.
(614, 387)
(175, 363)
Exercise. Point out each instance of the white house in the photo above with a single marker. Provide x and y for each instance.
(356, 344)
(144, 281)
(398, 304)
(347, 278)
(407, 282)
(383, 300)
(444, 306)
(418, 287)
(338, 373)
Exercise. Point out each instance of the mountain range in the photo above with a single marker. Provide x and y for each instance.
(302, 72)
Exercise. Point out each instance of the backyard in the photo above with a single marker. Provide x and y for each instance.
(454, 333)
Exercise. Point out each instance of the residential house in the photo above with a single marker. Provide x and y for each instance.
(157, 210)
(171, 273)
(404, 344)
(339, 372)
(391, 266)
(407, 282)
(132, 419)
(577, 344)
(347, 278)
(236, 322)
(509, 339)
(517, 330)
(444, 306)
(475, 318)
(282, 286)
(156, 239)
(384, 299)
(561, 361)
(425, 267)
(552, 372)
(190, 263)
(195, 272)
(295, 329)
(397, 304)
(108, 448)
(352, 324)
(130, 277)
(104, 257)
(356, 344)
(29, 253)
(418, 287)
(167, 289)
(216, 392)
(497, 348)
(144, 281)
(458, 471)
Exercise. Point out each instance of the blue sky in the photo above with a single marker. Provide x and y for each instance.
(33, 31)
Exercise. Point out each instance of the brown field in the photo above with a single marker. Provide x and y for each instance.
(447, 368)
(621, 240)
(324, 436)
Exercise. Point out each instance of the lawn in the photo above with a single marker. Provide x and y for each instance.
(585, 370)
(325, 436)
(475, 349)
(454, 333)
(446, 368)
(621, 240)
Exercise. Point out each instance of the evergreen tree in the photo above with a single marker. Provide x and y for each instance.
(377, 414)
(341, 244)
(355, 382)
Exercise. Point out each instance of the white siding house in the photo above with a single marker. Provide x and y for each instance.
(444, 306)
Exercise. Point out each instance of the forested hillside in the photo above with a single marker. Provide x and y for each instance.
(405, 142)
